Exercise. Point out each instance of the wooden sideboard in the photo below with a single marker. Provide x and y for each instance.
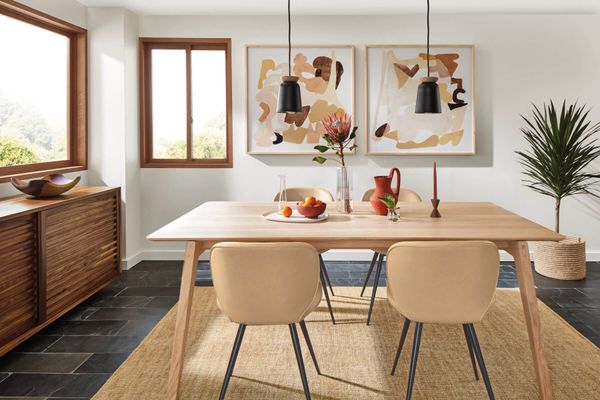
(54, 253)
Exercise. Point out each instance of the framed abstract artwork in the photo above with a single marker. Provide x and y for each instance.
(326, 79)
(393, 73)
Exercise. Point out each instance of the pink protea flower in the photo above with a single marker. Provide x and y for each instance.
(338, 126)
(339, 137)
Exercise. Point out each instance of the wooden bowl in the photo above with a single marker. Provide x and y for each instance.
(48, 186)
(311, 212)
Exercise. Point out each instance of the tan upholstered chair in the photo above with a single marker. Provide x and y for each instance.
(405, 195)
(446, 283)
(267, 284)
(300, 193)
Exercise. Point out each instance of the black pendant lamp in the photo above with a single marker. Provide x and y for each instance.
(289, 90)
(428, 92)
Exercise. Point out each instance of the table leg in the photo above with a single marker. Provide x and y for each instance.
(184, 308)
(520, 252)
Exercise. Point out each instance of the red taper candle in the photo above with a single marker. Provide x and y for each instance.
(434, 181)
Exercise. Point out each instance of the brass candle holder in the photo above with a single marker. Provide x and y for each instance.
(435, 213)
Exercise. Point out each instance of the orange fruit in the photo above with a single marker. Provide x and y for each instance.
(318, 203)
(310, 200)
(286, 211)
(306, 204)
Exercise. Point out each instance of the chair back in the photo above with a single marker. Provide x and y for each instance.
(300, 193)
(405, 195)
(265, 283)
(442, 282)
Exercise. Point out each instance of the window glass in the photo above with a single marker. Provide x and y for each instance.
(169, 104)
(209, 107)
(34, 71)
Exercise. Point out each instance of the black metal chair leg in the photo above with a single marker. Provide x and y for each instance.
(375, 284)
(234, 353)
(401, 344)
(479, 355)
(310, 346)
(327, 296)
(324, 268)
(413, 360)
(470, 346)
(375, 255)
(298, 351)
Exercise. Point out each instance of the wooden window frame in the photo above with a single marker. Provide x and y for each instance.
(77, 99)
(146, 45)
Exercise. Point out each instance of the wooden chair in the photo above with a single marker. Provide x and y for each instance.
(405, 195)
(267, 284)
(446, 282)
(301, 193)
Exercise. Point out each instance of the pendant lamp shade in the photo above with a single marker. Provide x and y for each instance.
(289, 100)
(289, 95)
(428, 97)
(428, 92)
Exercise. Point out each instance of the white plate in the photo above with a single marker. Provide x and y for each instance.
(296, 217)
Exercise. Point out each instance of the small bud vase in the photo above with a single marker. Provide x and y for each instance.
(344, 190)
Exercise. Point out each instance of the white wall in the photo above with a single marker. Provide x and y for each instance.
(519, 60)
(70, 11)
(113, 148)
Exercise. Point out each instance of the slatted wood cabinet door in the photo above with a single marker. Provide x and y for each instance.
(19, 276)
(54, 253)
(81, 249)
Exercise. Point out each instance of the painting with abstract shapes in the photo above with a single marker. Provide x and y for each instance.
(393, 75)
(326, 79)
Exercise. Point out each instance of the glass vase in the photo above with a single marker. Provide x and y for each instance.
(344, 190)
(282, 192)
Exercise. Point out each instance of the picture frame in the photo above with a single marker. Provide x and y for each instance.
(390, 95)
(307, 59)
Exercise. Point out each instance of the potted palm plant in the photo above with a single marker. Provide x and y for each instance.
(561, 148)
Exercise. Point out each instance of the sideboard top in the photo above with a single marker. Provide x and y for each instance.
(20, 205)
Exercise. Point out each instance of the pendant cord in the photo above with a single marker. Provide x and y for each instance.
(428, 38)
(290, 39)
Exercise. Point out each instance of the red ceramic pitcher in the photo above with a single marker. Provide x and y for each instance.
(383, 186)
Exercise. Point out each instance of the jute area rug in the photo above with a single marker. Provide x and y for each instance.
(356, 359)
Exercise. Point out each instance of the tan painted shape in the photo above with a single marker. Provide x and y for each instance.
(306, 75)
(400, 75)
(391, 135)
(431, 141)
(452, 137)
(321, 110)
(294, 135)
(266, 66)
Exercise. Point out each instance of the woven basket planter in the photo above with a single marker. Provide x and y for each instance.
(563, 260)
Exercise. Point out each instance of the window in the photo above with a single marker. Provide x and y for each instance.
(43, 99)
(185, 98)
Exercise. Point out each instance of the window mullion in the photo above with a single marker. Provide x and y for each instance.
(188, 72)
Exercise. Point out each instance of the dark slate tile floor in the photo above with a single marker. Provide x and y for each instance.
(72, 358)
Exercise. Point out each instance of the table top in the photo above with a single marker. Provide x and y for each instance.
(219, 221)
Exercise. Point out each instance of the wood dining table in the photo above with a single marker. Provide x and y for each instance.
(224, 221)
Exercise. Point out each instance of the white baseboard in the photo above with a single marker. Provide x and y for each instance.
(331, 255)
